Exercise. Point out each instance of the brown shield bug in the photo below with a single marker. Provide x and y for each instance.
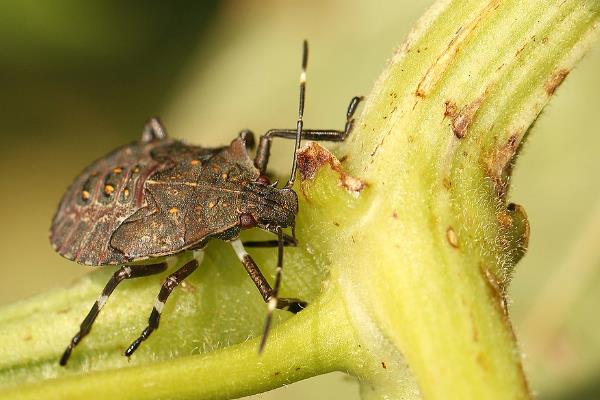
(157, 197)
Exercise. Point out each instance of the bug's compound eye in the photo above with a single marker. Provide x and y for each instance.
(263, 180)
(247, 221)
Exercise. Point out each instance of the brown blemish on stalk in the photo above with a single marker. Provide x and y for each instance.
(383, 365)
(495, 290)
(313, 157)
(520, 50)
(463, 119)
(461, 36)
(555, 80)
(500, 303)
(447, 183)
(482, 360)
(451, 237)
(499, 164)
(450, 109)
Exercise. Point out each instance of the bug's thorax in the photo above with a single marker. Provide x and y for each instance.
(269, 206)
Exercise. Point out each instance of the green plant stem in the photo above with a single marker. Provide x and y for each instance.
(407, 247)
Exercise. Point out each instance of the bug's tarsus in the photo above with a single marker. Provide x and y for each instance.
(125, 272)
(153, 130)
(166, 289)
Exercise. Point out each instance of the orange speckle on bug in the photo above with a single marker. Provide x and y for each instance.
(85, 195)
(211, 204)
(174, 210)
(117, 170)
(109, 189)
(194, 162)
(126, 193)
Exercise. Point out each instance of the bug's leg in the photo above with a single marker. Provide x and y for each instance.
(288, 241)
(167, 287)
(263, 151)
(125, 272)
(268, 294)
(153, 130)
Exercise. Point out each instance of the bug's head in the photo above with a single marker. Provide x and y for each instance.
(267, 206)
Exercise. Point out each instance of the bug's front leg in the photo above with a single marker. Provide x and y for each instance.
(269, 294)
(288, 241)
(263, 151)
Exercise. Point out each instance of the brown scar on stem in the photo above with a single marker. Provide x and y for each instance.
(383, 365)
(313, 157)
(500, 303)
(482, 360)
(555, 80)
(447, 183)
(499, 164)
(462, 120)
(450, 109)
(452, 237)
(495, 290)
(441, 64)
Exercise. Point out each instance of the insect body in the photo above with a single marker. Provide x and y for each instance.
(158, 197)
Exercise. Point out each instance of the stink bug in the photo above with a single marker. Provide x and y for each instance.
(157, 197)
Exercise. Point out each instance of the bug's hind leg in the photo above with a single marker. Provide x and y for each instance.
(153, 130)
(125, 272)
(269, 295)
(167, 287)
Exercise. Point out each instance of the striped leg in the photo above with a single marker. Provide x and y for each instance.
(268, 294)
(167, 287)
(125, 272)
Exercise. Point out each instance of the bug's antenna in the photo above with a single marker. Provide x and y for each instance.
(300, 123)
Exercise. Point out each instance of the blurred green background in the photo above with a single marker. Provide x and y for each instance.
(80, 78)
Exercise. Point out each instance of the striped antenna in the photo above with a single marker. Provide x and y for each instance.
(300, 123)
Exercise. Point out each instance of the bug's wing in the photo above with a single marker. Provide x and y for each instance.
(152, 231)
(186, 208)
(218, 195)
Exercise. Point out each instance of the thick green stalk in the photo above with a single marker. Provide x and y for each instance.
(407, 246)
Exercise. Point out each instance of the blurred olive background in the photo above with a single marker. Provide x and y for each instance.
(80, 78)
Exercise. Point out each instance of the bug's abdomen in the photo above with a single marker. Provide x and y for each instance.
(101, 198)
